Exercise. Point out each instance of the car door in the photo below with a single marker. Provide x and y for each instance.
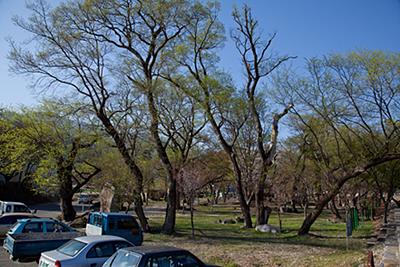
(33, 227)
(174, 260)
(126, 227)
(99, 253)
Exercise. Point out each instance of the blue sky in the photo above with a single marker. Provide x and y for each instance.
(305, 28)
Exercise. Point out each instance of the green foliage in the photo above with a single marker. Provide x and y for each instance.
(41, 137)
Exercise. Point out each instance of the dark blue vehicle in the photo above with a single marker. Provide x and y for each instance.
(116, 224)
(154, 256)
(30, 237)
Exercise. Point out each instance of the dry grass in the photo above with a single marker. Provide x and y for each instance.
(230, 245)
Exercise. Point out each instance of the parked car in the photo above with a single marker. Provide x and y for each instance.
(12, 207)
(7, 220)
(30, 237)
(85, 251)
(85, 199)
(117, 224)
(154, 256)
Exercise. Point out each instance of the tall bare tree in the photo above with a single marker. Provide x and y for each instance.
(69, 53)
(258, 63)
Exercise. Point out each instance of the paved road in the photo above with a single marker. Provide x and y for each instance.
(6, 262)
(52, 210)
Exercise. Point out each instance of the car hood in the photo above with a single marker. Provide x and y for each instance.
(54, 255)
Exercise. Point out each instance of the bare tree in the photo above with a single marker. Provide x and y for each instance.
(69, 53)
(258, 63)
(349, 108)
(196, 175)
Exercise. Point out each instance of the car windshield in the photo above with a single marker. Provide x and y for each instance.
(125, 259)
(71, 248)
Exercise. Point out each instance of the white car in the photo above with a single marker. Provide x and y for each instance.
(84, 251)
(12, 207)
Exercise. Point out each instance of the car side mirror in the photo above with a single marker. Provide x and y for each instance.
(34, 211)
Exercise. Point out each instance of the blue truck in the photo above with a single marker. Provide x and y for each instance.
(117, 224)
(28, 238)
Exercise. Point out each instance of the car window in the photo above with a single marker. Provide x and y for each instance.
(186, 261)
(53, 227)
(173, 261)
(121, 244)
(127, 223)
(72, 247)
(8, 208)
(20, 208)
(126, 259)
(33, 227)
(160, 262)
(102, 250)
(98, 220)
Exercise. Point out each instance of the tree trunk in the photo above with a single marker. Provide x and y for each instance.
(385, 212)
(216, 197)
(294, 209)
(178, 199)
(191, 216)
(260, 209)
(357, 171)
(169, 221)
(267, 214)
(243, 204)
(334, 209)
(305, 209)
(64, 172)
(280, 221)
(140, 214)
(170, 216)
(312, 217)
(133, 167)
(67, 209)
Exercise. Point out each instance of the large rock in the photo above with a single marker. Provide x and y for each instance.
(267, 228)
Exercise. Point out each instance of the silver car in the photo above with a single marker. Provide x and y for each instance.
(85, 251)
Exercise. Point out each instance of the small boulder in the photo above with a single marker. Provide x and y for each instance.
(267, 228)
(229, 221)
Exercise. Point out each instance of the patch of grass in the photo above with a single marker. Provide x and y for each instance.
(226, 244)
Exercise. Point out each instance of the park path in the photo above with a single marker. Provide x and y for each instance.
(391, 251)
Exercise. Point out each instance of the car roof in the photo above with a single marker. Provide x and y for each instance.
(39, 220)
(112, 214)
(154, 249)
(27, 214)
(99, 238)
(13, 203)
